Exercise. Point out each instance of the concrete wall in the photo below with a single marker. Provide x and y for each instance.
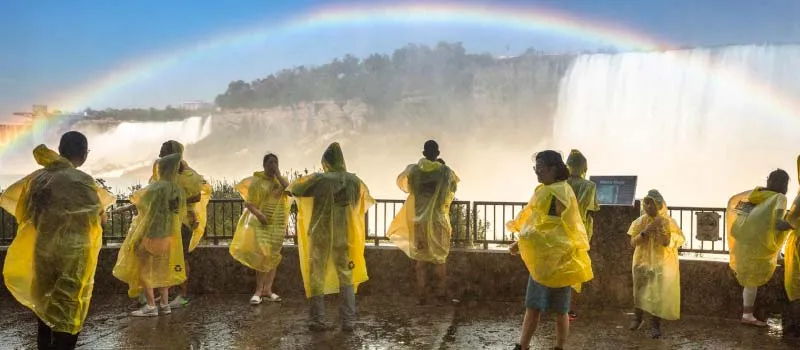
(708, 287)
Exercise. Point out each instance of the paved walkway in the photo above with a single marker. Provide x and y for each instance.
(228, 322)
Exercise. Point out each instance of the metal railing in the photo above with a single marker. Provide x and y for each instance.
(479, 224)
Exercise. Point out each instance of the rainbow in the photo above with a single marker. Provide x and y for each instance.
(512, 17)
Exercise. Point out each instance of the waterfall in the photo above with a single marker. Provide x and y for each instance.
(698, 124)
(131, 145)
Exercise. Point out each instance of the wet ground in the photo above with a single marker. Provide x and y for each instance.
(228, 322)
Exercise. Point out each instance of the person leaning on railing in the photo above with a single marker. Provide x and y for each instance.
(756, 234)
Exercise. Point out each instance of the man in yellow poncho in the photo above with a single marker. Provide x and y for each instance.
(655, 237)
(331, 207)
(259, 234)
(152, 255)
(422, 227)
(586, 192)
(791, 278)
(50, 265)
(756, 233)
(553, 245)
(198, 194)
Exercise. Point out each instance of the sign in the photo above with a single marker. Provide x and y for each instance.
(708, 226)
(615, 190)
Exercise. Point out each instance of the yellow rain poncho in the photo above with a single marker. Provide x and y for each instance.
(585, 190)
(50, 265)
(554, 249)
(791, 277)
(254, 244)
(422, 227)
(656, 270)
(152, 255)
(753, 240)
(331, 208)
(192, 184)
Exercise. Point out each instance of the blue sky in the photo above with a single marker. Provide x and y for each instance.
(53, 47)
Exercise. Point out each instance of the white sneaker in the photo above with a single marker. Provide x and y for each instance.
(146, 311)
(255, 300)
(178, 302)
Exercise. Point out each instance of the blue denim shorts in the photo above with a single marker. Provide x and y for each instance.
(539, 297)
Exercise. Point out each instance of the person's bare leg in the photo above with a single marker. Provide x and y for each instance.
(441, 276)
(529, 325)
(151, 299)
(269, 277)
(164, 293)
(562, 329)
(184, 287)
(260, 280)
(421, 277)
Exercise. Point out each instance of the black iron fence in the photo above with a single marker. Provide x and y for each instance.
(475, 224)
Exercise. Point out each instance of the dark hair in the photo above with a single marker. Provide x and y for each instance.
(430, 150)
(778, 177)
(267, 156)
(554, 159)
(73, 145)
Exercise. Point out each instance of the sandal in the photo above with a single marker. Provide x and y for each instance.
(255, 300)
(273, 298)
(755, 323)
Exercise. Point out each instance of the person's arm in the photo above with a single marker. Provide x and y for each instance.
(513, 249)
(257, 213)
(193, 199)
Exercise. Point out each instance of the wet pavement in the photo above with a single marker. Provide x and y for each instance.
(229, 322)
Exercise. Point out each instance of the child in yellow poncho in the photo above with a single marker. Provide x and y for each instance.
(554, 247)
(330, 223)
(656, 238)
(586, 192)
(756, 233)
(259, 234)
(151, 257)
(422, 227)
(50, 265)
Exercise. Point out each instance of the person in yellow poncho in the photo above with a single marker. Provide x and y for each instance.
(553, 245)
(51, 263)
(586, 192)
(198, 194)
(331, 207)
(756, 233)
(655, 237)
(259, 234)
(791, 277)
(151, 255)
(422, 227)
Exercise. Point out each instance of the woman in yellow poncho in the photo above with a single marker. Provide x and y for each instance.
(51, 263)
(331, 207)
(655, 237)
(756, 233)
(422, 227)
(553, 245)
(259, 234)
(198, 194)
(586, 192)
(152, 256)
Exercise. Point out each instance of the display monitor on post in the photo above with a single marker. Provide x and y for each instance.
(615, 190)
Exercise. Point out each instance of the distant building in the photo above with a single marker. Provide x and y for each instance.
(196, 105)
(21, 123)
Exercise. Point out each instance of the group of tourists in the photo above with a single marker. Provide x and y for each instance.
(60, 210)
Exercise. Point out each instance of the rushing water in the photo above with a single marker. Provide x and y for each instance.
(697, 124)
